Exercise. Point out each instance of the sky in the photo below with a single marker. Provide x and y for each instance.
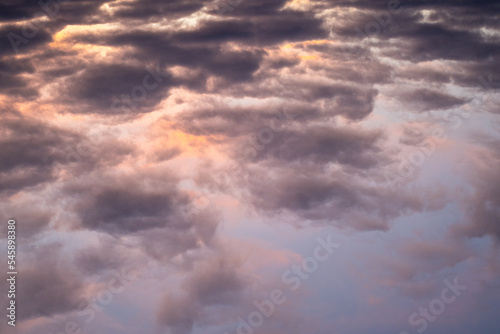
(251, 166)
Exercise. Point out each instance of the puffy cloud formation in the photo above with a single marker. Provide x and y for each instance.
(171, 163)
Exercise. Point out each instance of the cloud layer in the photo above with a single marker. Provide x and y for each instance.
(201, 146)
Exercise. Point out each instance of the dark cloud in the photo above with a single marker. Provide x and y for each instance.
(49, 285)
(127, 207)
(178, 314)
(15, 41)
(155, 8)
(413, 136)
(11, 77)
(163, 219)
(104, 88)
(454, 45)
(35, 217)
(216, 282)
(107, 254)
(321, 145)
(266, 120)
(427, 100)
(31, 149)
(248, 8)
(248, 77)
(420, 73)
(288, 26)
(37, 21)
(335, 198)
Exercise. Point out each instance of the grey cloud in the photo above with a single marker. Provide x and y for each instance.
(336, 198)
(427, 100)
(323, 145)
(128, 206)
(156, 8)
(102, 85)
(35, 217)
(482, 205)
(19, 41)
(48, 285)
(162, 219)
(178, 313)
(215, 283)
(253, 8)
(106, 255)
(31, 150)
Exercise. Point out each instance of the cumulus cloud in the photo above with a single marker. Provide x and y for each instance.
(118, 118)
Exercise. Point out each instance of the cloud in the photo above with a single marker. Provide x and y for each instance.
(287, 111)
(49, 285)
(323, 145)
(214, 283)
(120, 206)
(481, 205)
(427, 100)
(151, 8)
(31, 151)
